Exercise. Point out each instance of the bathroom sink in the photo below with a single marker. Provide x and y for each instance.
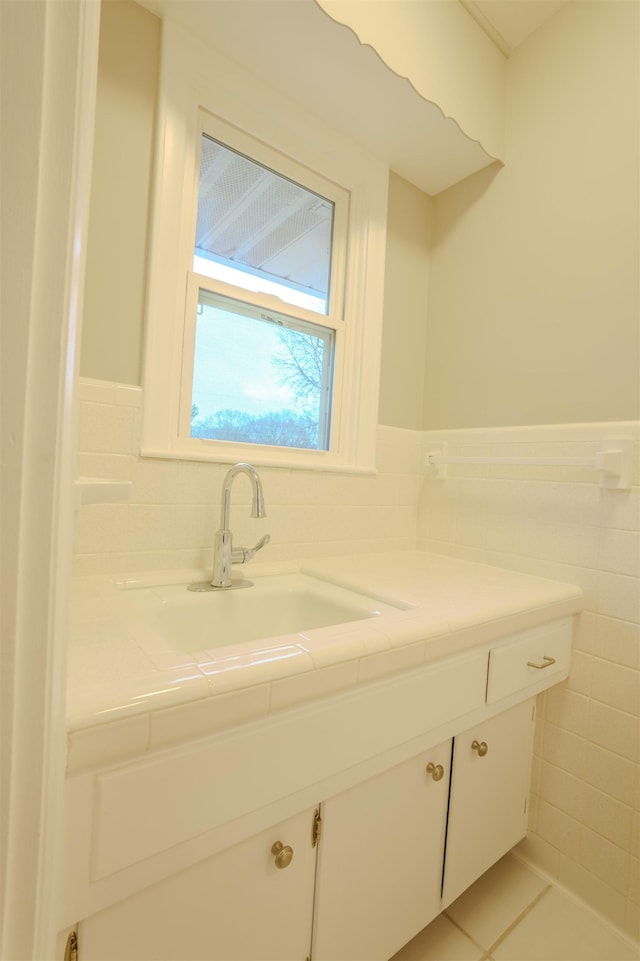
(274, 605)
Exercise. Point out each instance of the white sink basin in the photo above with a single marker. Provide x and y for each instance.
(274, 605)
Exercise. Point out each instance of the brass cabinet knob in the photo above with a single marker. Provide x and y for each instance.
(435, 770)
(71, 949)
(479, 746)
(283, 854)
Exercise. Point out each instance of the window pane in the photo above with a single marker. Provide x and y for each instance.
(261, 231)
(260, 378)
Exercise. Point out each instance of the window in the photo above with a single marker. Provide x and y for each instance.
(252, 374)
(261, 231)
(259, 378)
(265, 296)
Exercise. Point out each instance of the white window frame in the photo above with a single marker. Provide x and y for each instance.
(332, 319)
(193, 81)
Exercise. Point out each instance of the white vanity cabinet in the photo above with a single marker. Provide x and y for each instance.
(238, 904)
(380, 860)
(376, 859)
(489, 793)
(421, 780)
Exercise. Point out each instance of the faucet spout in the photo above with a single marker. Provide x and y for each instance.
(257, 502)
(224, 554)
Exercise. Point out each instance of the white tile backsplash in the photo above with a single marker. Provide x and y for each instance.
(174, 507)
(617, 641)
(620, 552)
(555, 522)
(106, 428)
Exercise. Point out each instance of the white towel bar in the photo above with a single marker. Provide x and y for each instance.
(614, 461)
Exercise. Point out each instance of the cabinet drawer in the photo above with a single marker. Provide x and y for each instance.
(535, 658)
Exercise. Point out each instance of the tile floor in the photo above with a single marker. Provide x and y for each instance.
(513, 914)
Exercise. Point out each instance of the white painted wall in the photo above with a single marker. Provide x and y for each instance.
(534, 293)
(120, 213)
(120, 193)
(406, 290)
(533, 300)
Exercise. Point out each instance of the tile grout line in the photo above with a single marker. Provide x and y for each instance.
(475, 943)
(514, 924)
(601, 918)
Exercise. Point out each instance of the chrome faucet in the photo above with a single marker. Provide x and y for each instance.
(224, 554)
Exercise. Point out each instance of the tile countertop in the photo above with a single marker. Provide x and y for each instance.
(128, 689)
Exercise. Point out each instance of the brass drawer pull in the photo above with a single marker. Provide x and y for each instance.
(480, 746)
(435, 770)
(548, 661)
(283, 854)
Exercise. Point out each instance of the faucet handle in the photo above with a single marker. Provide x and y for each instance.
(240, 555)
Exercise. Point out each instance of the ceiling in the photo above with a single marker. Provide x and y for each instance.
(509, 22)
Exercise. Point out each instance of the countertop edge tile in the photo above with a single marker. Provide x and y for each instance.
(425, 587)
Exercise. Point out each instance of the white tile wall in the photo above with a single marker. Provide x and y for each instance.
(552, 521)
(559, 522)
(171, 517)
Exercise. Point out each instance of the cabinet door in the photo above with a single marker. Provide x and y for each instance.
(380, 860)
(489, 792)
(234, 906)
